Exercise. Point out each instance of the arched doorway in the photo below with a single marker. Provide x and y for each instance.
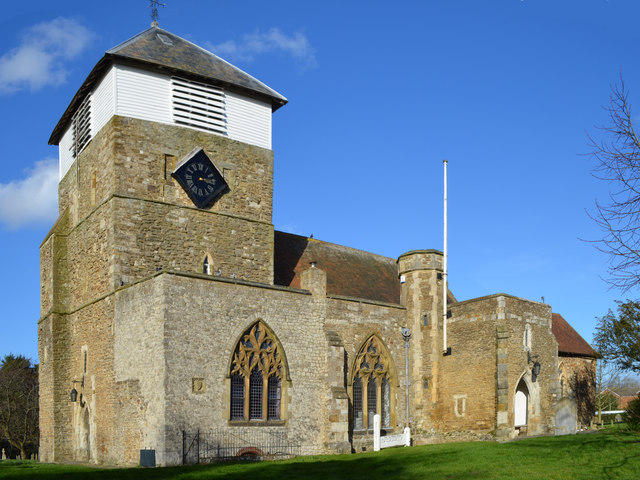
(83, 434)
(521, 406)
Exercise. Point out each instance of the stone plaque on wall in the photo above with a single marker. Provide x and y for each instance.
(198, 385)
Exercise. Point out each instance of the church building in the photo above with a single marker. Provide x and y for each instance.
(170, 304)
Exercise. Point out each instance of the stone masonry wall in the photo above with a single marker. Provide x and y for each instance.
(578, 381)
(139, 368)
(92, 338)
(487, 336)
(544, 391)
(143, 171)
(354, 322)
(467, 393)
(421, 294)
(89, 250)
(81, 430)
(153, 235)
(203, 319)
(132, 160)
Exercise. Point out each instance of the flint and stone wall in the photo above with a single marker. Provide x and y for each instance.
(128, 217)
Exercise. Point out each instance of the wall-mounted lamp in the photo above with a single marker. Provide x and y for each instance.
(74, 393)
(535, 371)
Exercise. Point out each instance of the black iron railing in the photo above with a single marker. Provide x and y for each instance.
(252, 444)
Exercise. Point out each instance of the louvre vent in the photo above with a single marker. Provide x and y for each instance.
(81, 127)
(198, 105)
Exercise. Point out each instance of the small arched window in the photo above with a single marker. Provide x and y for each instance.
(371, 386)
(526, 338)
(257, 370)
(207, 264)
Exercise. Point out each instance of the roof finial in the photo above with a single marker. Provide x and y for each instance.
(153, 5)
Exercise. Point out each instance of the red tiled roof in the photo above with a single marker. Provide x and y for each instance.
(569, 341)
(625, 400)
(350, 272)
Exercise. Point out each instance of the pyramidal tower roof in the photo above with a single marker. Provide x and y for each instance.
(161, 50)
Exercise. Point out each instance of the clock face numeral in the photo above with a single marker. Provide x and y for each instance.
(200, 179)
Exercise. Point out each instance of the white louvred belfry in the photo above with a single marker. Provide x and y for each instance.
(198, 105)
(81, 127)
(159, 77)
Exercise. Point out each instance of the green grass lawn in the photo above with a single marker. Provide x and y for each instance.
(612, 454)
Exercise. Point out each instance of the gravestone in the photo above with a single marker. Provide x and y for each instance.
(566, 417)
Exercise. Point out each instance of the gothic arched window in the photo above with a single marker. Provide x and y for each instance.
(257, 370)
(371, 386)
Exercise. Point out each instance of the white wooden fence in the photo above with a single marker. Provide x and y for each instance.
(379, 442)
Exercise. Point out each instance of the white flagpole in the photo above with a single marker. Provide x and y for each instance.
(444, 267)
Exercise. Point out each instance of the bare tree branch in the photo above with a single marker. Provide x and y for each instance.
(618, 157)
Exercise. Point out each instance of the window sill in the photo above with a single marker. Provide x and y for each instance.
(257, 423)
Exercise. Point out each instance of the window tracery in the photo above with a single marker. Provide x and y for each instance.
(257, 370)
(371, 386)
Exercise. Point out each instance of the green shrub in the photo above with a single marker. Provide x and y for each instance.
(632, 415)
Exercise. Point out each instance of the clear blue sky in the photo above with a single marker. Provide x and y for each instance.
(379, 94)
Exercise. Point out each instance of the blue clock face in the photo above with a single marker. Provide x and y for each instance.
(200, 179)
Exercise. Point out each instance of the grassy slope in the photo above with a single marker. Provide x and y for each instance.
(606, 455)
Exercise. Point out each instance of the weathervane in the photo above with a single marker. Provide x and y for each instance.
(153, 5)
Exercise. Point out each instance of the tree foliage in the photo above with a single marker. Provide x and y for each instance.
(632, 415)
(618, 156)
(19, 403)
(617, 338)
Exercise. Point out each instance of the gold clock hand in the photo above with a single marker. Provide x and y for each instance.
(206, 180)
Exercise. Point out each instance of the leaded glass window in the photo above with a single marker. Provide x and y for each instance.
(237, 397)
(256, 377)
(255, 395)
(357, 404)
(372, 401)
(273, 402)
(385, 399)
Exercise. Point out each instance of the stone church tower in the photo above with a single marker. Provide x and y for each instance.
(145, 106)
(170, 304)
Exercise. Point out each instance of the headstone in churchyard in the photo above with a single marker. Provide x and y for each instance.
(566, 417)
